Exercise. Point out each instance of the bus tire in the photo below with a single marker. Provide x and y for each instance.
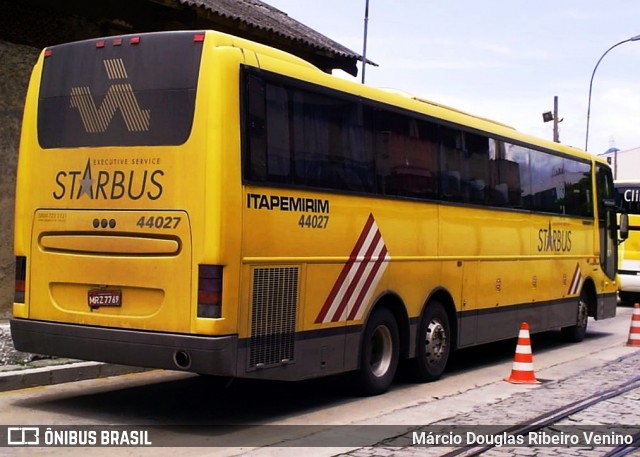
(576, 333)
(379, 354)
(628, 298)
(433, 344)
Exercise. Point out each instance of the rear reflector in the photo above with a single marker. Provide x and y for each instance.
(210, 291)
(21, 275)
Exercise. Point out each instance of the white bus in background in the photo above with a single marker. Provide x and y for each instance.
(628, 199)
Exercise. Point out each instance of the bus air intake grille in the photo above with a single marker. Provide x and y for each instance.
(274, 307)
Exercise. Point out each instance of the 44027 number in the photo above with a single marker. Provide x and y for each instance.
(159, 222)
(313, 221)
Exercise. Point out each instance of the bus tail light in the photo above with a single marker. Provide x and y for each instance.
(21, 275)
(210, 291)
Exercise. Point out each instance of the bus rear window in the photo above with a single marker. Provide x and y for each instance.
(136, 90)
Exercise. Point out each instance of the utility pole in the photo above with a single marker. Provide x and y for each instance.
(549, 116)
(364, 50)
(556, 136)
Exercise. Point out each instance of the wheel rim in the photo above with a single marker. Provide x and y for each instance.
(435, 343)
(381, 351)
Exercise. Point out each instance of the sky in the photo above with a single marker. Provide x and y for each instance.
(505, 60)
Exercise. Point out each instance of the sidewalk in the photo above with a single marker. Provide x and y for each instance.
(19, 370)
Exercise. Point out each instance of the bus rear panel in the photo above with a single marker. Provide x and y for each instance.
(106, 207)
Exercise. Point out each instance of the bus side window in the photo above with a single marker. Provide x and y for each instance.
(277, 132)
(357, 153)
(452, 173)
(426, 149)
(406, 155)
(255, 147)
(547, 176)
(479, 181)
(505, 189)
(579, 201)
(382, 146)
(517, 170)
(310, 134)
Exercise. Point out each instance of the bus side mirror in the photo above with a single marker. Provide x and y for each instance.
(624, 226)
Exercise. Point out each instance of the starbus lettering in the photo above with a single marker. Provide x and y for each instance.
(554, 240)
(108, 185)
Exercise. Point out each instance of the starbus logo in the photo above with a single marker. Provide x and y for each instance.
(96, 119)
(554, 240)
(109, 184)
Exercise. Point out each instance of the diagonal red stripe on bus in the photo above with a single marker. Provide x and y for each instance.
(575, 281)
(345, 270)
(358, 274)
(363, 293)
(362, 238)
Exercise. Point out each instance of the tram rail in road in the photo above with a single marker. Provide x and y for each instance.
(546, 422)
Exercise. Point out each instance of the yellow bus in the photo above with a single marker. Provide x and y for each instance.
(628, 200)
(195, 201)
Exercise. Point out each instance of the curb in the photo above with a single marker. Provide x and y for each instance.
(58, 374)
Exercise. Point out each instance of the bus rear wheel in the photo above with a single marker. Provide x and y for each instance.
(629, 298)
(433, 345)
(379, 354)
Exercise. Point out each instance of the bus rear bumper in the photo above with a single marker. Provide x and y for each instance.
(199, 354)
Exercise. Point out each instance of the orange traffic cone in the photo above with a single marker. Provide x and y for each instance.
(634, 329)
(522, 372)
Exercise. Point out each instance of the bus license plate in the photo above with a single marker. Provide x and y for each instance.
(105, 297)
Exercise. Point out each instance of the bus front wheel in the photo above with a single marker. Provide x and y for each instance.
(576, 333)
(379, 353)
(434, 344)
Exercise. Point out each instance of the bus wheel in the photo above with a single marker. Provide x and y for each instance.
(434, 344)
(628, 298)
(575, 333)
(379, 353)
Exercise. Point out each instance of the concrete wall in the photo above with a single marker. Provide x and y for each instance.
(34, 27)
(625, 164)
(16, 62)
